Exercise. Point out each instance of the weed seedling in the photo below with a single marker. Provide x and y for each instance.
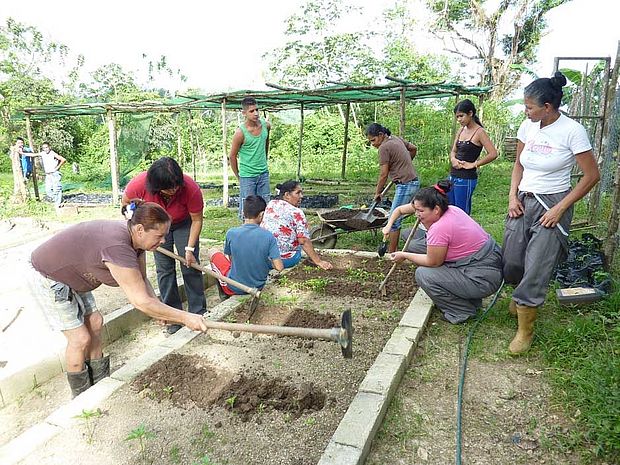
(88, 417)
(231, 401)
(175, 456)
(317, 284)
(204, 460)
(141, 435)
(310, 421)
(169, 390)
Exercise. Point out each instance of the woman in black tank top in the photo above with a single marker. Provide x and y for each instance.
(468, 145)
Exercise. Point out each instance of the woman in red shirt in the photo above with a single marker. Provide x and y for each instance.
(165, 184)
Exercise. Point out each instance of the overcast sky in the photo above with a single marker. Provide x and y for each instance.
(219, 45)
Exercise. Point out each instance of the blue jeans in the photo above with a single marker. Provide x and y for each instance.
(254, 185)
(461, 193)
(403, 195)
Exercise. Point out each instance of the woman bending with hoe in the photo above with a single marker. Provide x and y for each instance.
(81, 258)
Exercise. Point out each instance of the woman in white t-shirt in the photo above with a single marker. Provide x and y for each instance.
(541, 200)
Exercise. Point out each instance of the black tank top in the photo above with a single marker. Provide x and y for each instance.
(467, 151)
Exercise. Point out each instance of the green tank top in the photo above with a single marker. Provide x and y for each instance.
(252, 155)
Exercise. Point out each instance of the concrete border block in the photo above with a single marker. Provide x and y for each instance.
(384, 375)
(27, 442)
(137, 365)
(361, 421)
(341, 454)
(418, 311)
(403, 342)
(180, 338)
(65, 415)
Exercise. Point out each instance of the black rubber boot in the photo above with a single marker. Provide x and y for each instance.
(79, 382)
(98, 368)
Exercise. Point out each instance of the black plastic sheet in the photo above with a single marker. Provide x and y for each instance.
(584, 266)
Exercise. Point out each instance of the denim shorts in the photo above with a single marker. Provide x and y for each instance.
(64, 308)
(403, 195)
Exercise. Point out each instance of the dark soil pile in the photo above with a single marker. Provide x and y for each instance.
(355, 277)
(301, 318)
(81, 198)
(191, 381)
(246, 395)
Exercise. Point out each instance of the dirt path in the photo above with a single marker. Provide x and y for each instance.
(508, 417)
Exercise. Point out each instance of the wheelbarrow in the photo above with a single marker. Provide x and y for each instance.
(334, 223)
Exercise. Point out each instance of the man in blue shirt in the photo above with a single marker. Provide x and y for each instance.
(249, 251)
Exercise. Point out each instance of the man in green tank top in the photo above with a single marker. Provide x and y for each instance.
(248, 154)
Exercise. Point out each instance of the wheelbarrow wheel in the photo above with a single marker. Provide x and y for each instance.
(318, 232)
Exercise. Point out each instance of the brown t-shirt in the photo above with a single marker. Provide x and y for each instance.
(395, 153)
(76, 255)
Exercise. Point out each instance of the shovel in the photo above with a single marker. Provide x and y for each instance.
(255, 293)
(362, 220)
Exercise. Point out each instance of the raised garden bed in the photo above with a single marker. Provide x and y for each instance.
(235, 398)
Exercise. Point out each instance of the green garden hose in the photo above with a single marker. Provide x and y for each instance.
(459, 402)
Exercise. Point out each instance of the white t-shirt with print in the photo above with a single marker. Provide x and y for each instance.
(549, 154)
(50, 163)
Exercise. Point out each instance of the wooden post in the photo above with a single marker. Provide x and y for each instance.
(301, 138)
(401, 128)
(346, 140)
(224, 156)
(190, 123)
(179, 140)
(35, 183)
(113, 157)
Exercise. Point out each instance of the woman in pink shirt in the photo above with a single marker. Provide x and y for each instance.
(462, 263)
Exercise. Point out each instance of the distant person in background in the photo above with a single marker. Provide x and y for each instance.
(248, 154)
(25, 160)
(468, 145)
(287, 222)
(52, 162)
(249, 251)
(540, 202)
(165, 184)
(460, 262)
(396, 162)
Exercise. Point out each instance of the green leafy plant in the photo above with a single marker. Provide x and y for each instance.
(316, 284)
(231, 401)
(175, 454)
(141, 435)
(168, 390)
(204, 460)
(89, 417)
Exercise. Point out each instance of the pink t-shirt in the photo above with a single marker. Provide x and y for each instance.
(459, 232)
(188, 199)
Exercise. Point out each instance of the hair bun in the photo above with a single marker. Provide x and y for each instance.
(558, 80)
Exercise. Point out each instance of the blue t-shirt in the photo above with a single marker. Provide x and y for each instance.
(251, 249)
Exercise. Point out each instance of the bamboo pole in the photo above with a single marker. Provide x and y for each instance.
(401, 128)
(346, 141)
(190, 122)
(179, 140)
(224, 156)
(301, 139)
(113, 157)
(35, 183)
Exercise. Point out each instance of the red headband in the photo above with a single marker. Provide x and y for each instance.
(439, 189)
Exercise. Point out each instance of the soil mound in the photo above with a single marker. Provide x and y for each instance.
(301, 318)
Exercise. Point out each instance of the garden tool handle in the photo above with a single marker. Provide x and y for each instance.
(413, 230)
(250, 290)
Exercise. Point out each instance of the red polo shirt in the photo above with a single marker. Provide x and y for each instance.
(188, 199)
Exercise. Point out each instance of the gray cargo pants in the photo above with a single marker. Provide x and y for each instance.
(531, 251)
(457, 288)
